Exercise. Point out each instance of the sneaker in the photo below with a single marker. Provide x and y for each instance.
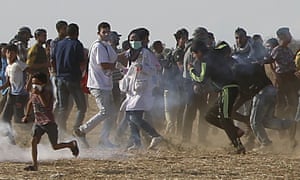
(81, 136)
(154, 142)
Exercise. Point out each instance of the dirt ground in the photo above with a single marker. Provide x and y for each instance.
(177, 161)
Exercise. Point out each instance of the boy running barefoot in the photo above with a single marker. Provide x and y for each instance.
(41, 100)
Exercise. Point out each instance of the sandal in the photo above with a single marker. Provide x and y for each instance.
(30, 168)
(75, 149)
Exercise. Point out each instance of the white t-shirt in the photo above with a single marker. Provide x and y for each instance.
(100, 52)
(16, 74)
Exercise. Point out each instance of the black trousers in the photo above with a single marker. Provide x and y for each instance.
(219, 114)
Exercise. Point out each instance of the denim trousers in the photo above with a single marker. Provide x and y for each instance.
(262, 114)
(136, 122)
(64, 90)
(194, 102)
(14, 106)
(105, 103)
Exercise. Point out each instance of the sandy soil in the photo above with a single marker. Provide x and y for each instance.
(177, 161)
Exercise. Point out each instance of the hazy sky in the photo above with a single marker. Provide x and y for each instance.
(161, 17)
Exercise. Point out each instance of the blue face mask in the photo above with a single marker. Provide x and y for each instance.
(136, 44)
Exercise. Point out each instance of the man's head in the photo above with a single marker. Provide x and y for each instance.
(104, 31)
(11, 52)
(61, 28)
(181, 36)
(3, 47)
(24, 33)
(125, 45)
(271, 43)
(241, 37)
(201, 33)
(198, 48)
(114, 38)
(40, 35)
(39, 81)
(158, 47)
(73, 31)
(284, 35)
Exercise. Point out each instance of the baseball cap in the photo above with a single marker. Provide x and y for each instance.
(25, 29)
(283, 31)
(114, 36)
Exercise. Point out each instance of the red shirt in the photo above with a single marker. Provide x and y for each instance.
(43, 115)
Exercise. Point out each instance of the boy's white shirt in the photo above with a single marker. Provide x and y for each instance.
(15, 72)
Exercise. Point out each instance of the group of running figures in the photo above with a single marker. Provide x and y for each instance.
(150, 88)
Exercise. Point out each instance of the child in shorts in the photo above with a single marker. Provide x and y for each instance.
(41, 100)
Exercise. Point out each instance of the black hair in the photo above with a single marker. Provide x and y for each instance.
(156, 43)
(135, 31)
(125, 45)
(48, 42)
(12, 47)
(143, 33)
(61, 24)
(273, 42)
(38, 32)
(198, 45)
(103, 25)
(241, 32)
(211, 35)
(41, 77)
(181, 33)
(73, 29)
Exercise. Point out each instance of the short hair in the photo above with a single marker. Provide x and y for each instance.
(157, 43)
(73, 29)
(257, 37)
(198, 45)
(273, 42)
(38, 32)
(60, 24)
(181, 33)
(12, 48)
(241, 32)
(103, 25)
(41, 77)
(125, 45)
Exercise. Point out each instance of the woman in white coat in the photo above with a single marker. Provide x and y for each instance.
(138, 83)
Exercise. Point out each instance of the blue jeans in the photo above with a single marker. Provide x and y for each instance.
(64, 89)
(262, 114)
(136, 122)
(14, 106)
(105, 103)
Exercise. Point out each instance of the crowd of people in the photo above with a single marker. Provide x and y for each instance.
(149, 94)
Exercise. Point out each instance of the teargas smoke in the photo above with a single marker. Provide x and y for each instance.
(15, 153)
